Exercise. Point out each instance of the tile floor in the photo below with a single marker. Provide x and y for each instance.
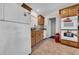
(49, 47)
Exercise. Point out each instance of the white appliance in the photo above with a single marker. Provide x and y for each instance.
(14, 30)
(69, 26)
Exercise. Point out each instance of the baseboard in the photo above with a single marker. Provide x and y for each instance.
(50, 37)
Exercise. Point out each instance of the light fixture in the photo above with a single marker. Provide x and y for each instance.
(38, 10)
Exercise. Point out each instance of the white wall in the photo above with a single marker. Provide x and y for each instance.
(33, 18)
(48, 27)
(54, 14)
(53, 28)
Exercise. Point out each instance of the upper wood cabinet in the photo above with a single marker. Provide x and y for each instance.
(40, 20)
(64, 13)
(77, 7)
(69, 11)
(72, 11)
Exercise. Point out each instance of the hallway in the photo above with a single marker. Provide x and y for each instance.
(49, 47)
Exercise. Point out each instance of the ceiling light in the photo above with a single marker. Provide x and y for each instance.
(38, 10)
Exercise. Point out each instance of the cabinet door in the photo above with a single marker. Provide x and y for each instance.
(11, 11)
(77, 7)
(41, 34)
(40, 20)
(37, 36)
(64, 12)
(72, 11)
(1, 11)
(33, 38)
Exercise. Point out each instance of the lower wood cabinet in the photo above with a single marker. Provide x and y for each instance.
(36, 37)
(33, 41)
(70, 43)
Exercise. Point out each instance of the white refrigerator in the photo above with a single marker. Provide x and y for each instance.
(14, 30)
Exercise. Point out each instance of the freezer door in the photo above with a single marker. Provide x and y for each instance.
(14, 12)
(14, 39)
(1, 11)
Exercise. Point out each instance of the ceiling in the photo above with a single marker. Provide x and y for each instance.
(47, 8)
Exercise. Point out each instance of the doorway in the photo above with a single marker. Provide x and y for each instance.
(53, 26)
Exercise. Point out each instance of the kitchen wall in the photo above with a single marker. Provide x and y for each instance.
(48, 27)
(48, 23)
(33, 18)
(53, 27)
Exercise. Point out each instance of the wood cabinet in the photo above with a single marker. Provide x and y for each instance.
(41, 35)
(40, 20)
(72, 11)
(77, 10)
(64, 13)
(33, 38)
(70, 43)
(69, 11)
(36, 37)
